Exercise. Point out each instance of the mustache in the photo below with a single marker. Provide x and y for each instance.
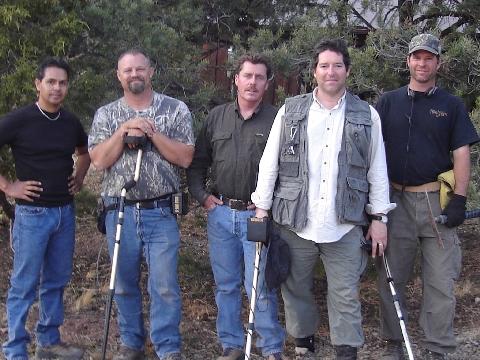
(137, 78)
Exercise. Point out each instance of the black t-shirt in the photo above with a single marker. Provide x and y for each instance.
(42, 150)
(439, 124)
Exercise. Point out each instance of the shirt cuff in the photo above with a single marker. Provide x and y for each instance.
(380, 208)
(264, 204)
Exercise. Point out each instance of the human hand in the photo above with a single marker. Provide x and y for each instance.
(143, 125)
(211, 202)
(455, 210)
(377, 232)
(261, 213)
(25, 190)
(74, 184)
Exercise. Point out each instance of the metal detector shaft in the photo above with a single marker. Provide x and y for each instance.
(442, 219)
(111, 289)
(253, 299)
(396, 303)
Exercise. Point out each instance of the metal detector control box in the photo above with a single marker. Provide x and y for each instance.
(257, 229)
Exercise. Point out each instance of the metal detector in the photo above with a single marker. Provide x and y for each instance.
(367, 246)
(257, 231)
(442, 219)
(396, 303)
(138, 142)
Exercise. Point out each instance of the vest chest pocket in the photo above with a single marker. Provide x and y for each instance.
(356, 146)
(290, 153)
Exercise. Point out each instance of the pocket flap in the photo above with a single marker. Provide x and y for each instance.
(357, 184)
(293, 118)
(288, 192)
(221, 136)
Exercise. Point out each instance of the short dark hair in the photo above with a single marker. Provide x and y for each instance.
(336, 45)
(135, 51)
(52, 62)
(254, 59)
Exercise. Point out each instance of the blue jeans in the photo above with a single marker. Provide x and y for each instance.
(43, 241)
(230, 254)
(154, 234)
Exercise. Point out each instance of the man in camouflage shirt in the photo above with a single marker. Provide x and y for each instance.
(149, 227)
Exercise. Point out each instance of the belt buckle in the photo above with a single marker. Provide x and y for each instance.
(237, 204)
(145, 205)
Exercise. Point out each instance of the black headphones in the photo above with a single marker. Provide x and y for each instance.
(411, 93)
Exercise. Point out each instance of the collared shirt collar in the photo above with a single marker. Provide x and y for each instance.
(338, 105)
(257, 110)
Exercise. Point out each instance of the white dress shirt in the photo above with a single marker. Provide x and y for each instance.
(324, 135)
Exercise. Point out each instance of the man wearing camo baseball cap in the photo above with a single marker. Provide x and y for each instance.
(424, 128)
(425, 42)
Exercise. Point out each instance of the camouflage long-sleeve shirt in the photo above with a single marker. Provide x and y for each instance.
(158, 177)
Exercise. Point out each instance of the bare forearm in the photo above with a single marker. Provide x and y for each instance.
(105, 154)
(461, 169)
(174, 151)
(4, 183)
(81, 166)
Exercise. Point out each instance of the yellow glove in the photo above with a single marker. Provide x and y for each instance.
(447, 185)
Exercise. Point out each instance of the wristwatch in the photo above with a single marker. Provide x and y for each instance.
(382, 218)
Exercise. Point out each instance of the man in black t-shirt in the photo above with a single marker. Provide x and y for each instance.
(43, 137)
(424, 129)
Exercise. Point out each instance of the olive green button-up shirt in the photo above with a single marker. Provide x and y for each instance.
(231, 147)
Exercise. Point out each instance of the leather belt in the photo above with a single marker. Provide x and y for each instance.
(428, 187)
(164, 201)
(234, 204)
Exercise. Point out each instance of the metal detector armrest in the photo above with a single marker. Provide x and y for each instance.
(257, 229)
(135, 140)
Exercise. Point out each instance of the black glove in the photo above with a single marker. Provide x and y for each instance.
(455, 210)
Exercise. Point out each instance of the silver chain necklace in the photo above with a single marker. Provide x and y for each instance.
(48, 117)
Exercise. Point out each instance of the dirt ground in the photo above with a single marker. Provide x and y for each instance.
(85, 297)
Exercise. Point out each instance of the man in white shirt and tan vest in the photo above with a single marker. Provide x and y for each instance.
(323, 170)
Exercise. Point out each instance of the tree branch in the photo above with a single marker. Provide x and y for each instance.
(358, 15)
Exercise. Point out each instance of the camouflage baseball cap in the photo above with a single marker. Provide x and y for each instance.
(426, 42)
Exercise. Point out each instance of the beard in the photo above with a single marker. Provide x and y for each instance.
(137, 86)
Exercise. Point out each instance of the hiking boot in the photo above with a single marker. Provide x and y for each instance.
(432, 355)
(231, 354)
(393, 350)
(59, 351)
(126, 353)
(173, 356)
(276, 356)
(345, 352)
(303, 353)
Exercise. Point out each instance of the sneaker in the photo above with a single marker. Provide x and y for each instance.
(276, 356)
(302, 353)
(173, 356)
(59, 351)
(432, 355)
(345, 352)
(393, 350)
(126, 353)
(231, 354)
